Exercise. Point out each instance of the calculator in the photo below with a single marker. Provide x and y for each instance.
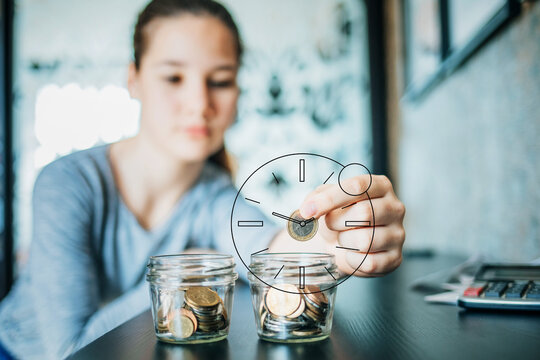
(504, 286)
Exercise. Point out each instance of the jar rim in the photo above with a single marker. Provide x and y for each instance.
(191, 268)
(288, 263)
(184, 257)
(293, 256)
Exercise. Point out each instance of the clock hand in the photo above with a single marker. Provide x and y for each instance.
(286, 217)
(309, 220)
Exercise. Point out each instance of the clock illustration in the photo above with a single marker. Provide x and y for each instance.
(289, 179)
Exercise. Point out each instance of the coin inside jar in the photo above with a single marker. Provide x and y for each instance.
(302, 229)
(162, 313)
(223, 310)
(190, 315)
(208, 308)
(315, 294)
(281, 303)
(298, 311)
(307, 321)
(181, 326)
(200, 296)
(307, 332)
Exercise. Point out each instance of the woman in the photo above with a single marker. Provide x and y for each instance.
(100, 213)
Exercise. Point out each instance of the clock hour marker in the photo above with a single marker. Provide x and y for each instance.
(347, 248)
(348, 206)
(274, 175)
(328, 178)
(260, 251)
(301, 277)
(255, 201)
(330, 272)
(302, 170)
(353, 223)
(250, 223)
(279, 271)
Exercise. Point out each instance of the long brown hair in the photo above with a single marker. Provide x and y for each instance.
(170, 8)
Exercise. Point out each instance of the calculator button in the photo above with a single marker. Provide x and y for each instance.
(534, 292)
(496, 289)
(474, 291)
(516, 290)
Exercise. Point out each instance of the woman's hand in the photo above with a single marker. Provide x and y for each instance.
(333, 207)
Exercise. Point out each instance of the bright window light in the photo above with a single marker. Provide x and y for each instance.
(72, 118)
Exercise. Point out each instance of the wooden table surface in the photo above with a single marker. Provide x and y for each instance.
(377, 318)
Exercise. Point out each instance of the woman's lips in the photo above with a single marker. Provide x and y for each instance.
(198, 131)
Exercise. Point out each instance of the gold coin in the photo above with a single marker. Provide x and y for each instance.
(190, 315)
(312, 306)
(303, 231)
(281, 303)
(200, 296)
(262, 305)
(163, 310)
(314, 293)
(298, 311)
(221, 309)
(314, 315)
(224, 312)
(181, 326)
(263, 317)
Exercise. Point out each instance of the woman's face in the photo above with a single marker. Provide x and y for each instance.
(186, 84)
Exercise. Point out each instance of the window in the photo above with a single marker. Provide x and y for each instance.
(440, 35)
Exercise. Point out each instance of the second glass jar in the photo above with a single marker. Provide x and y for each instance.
(293, 295)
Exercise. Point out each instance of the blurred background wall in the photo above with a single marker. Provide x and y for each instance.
(304, 81)
(467, 153)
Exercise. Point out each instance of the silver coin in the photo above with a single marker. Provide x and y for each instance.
(304, 230)
(307, 332)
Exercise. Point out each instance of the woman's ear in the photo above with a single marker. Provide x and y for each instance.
(133, 81)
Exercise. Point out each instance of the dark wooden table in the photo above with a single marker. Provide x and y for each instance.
(377, 318)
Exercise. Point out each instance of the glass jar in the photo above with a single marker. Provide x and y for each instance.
(293, 295)
(191, 296)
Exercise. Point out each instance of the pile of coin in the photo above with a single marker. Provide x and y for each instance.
(186, 312)
(287, 310)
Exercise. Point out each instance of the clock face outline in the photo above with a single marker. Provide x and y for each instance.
(302, 178)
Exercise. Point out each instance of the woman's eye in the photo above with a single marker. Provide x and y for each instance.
(221, 84)
(175, 79)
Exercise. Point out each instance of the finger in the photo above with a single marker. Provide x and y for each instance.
(328, 198)
(383, 238)
(381, 211)
(323, 187)
(370, 265)
(375, 264)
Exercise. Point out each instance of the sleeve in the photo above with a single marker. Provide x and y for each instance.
(64, 266)
(221, 210)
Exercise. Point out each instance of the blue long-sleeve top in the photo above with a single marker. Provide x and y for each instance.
(85, 273)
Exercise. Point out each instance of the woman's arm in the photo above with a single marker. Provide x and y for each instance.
(62, 263)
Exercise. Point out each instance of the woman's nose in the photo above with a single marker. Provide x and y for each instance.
(198, 101)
